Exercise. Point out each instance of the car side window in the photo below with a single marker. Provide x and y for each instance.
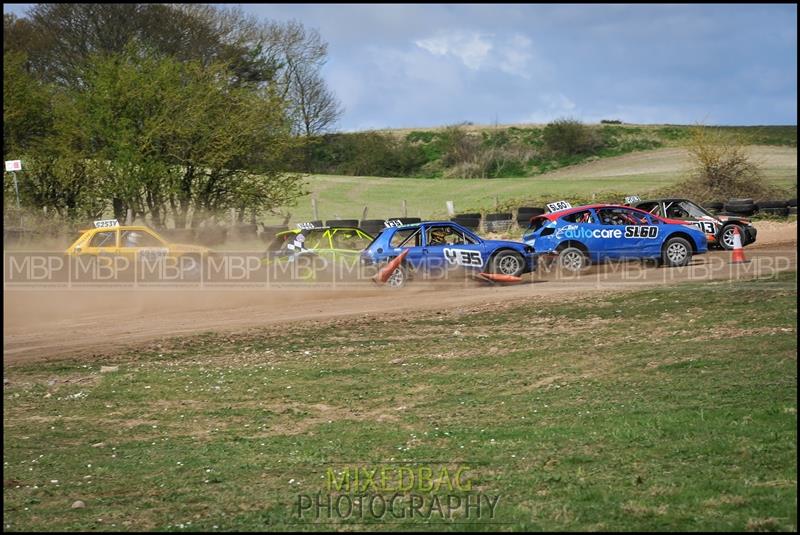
(584, 216)
(348, 239)
(676, 211)
(139, 238)
(405, 238)
(621, 216)
(104, 239)
(651, 207)
(444, 235)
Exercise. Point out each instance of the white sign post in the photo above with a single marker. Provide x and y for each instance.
(12, 166)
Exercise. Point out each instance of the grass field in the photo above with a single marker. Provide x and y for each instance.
(608, 178)
(665, 409)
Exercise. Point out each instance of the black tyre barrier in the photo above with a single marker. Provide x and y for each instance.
(741, 206)
(498, 217)
(780, 212)
(771, 204)
(529, 211)
(371, 226)
(468, 222)
(341, 223)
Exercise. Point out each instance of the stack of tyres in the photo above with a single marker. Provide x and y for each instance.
(740, 207)
(499, 222)
(792, 204)
(714, 207)
(471, 221)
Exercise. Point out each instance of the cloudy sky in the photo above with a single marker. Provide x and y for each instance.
(407, 65)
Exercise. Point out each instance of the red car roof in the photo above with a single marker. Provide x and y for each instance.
(552, 216)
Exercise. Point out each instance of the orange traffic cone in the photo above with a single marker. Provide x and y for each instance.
(496, 277)
(383, 275)
(738, 250)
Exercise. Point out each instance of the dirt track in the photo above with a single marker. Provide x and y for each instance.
(45, 324)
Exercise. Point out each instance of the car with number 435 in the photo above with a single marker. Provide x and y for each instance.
(578, 236)
(435, 248)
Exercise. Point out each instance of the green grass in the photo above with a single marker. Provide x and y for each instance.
(346, 196)
(667, 409)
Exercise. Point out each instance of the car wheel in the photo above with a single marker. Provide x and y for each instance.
(572, 259)
(726, 236)
(676, 252)
(398, 278)
(508, 263)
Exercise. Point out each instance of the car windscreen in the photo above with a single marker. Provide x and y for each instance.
(537, 223)
(692, 209)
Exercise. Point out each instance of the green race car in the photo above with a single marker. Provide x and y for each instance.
(312, 253)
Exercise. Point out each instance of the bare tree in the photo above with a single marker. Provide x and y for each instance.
(316, 108)
(313, 107)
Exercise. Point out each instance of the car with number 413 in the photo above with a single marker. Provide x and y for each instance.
(719, 229)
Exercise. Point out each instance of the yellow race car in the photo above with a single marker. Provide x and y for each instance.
(138, 243)
(111, 238)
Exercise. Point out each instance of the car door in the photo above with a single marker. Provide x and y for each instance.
(141, 244)
(624, 232)
(103, 242)
(447, 247)
(409, 239)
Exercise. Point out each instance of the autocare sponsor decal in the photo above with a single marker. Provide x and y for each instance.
(568, 231)
(463, 257)
(574, 232)
(637, 231)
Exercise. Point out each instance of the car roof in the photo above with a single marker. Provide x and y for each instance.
(413, 225)
(120, 227)
(663, 199)
(560, 213)
(295, 230)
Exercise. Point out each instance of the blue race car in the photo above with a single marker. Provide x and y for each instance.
(598, 233)
(435, 248)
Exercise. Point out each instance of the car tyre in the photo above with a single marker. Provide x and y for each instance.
(676, 252)
(508, 263)
(573, 260)
(399, 278)
(726, 236)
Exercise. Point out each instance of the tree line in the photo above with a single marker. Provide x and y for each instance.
(168, 111)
